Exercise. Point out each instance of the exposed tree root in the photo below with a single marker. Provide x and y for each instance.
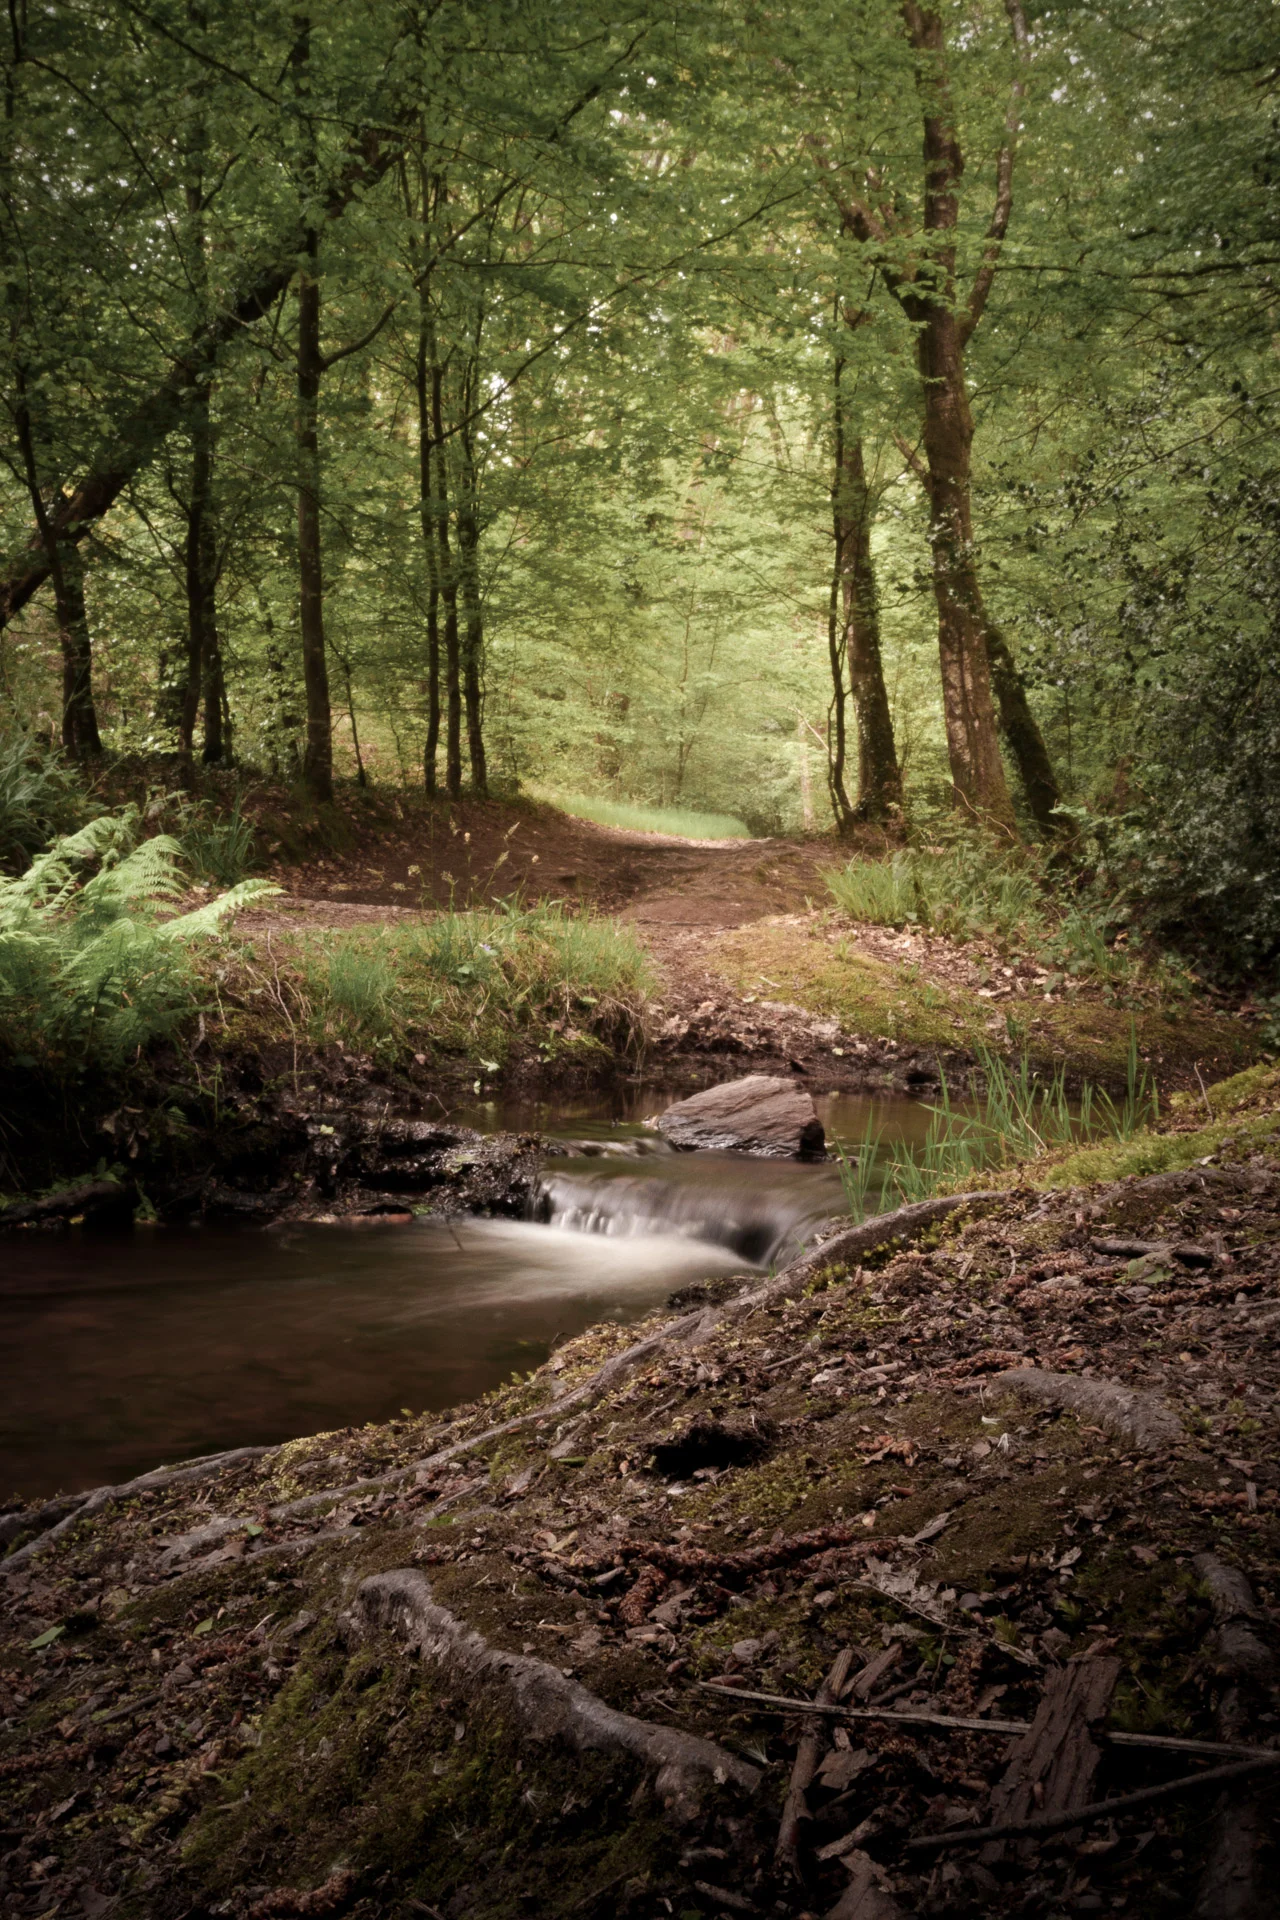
(690, 1329)
(1236, 1884)
(547, 1703)
(101, 1497)
(1141, 1417)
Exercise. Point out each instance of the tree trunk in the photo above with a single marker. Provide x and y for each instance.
(977, 772)
(879, 777)
(79, 729)
(80, 734)
(200, 570)
(427, 456)
(317, 759)
(1022, 733)
(448, 590)
(473, 644)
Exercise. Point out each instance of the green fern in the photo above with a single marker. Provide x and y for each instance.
(89, 972)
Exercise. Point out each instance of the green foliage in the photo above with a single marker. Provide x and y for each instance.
(38, 796)
(89, 971)
(967, 890)
(468, 981)
(1072, 921)
(219, 846)
(681, 821)
(1015, 1118)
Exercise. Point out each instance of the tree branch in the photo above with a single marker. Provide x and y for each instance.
(999, 224)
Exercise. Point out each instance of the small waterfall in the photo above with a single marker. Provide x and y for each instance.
(757, 1209)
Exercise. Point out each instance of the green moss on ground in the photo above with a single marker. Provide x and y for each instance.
(1083, 1030)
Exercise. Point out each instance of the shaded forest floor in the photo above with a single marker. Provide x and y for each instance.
(1015, 1464)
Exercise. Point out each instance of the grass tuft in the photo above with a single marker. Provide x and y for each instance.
(1018, 1118)
(472, 981)
(683, 822)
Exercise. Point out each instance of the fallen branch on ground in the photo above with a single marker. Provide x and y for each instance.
(1098, 1810)
(959, 1723)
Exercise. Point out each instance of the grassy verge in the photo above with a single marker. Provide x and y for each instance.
(462, 982)
(682, 821)
(819, 966)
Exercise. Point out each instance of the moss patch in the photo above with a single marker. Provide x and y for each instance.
(829, 975)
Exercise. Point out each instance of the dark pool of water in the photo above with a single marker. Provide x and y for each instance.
(120, 1352)
(123, 1352)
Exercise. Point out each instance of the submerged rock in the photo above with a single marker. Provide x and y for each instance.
(758, 1114)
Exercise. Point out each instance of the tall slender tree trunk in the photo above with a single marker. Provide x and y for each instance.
(448, 589)
(473, 636)
(879, 776)
(427, 455)
(203, 675)
(973, 746)
(317, 758)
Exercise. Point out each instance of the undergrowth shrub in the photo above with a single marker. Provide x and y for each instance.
(971, 890)
(39, 797)
(89, 971)
(219, 847)
(468, 980)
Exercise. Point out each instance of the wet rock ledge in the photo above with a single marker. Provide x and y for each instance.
(351, 1166)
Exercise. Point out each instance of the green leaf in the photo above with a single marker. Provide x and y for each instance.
(47, 1638)
(206, 1626)
(253, 1529)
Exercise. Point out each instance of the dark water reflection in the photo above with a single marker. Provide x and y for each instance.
(119, 1353)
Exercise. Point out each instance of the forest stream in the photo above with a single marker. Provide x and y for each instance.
(160, 1343)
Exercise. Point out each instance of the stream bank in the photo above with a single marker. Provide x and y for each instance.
(451, 1664)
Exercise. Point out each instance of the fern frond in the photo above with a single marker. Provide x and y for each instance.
(208, 919)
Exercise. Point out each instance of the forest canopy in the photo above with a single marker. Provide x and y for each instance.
(816, 413)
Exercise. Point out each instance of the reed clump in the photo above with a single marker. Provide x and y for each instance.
(1016, 1117)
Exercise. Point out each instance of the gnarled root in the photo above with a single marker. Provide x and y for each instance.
(547, 1703)
(1144, 1418)
(1236, 1883)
